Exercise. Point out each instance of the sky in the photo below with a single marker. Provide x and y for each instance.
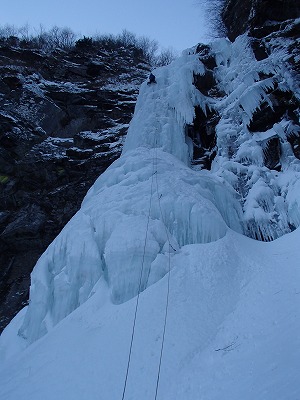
(173, 23)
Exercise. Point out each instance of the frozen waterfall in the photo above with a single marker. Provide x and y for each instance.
(104, 240)
(153, 188)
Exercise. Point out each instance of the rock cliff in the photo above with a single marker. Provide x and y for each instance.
(63, 117)
(242, 15)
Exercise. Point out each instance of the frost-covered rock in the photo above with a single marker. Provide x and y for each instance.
(255, 161)
(241, 15)
(63, 118)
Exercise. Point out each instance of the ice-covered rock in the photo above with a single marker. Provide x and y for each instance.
(159, 245)
(151, 202)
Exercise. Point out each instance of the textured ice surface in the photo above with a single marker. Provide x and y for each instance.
(106, 238)
(268, 197)
(163, 109)
(233, 321)
(149, 190)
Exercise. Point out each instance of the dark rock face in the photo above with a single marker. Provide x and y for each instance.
(241, 15)
(202, 132)
(63, 118)
(203, 135)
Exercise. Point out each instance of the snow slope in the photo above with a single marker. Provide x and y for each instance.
(149, 220)
(232, 332)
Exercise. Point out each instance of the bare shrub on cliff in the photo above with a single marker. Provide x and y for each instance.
(8, 30)
(165, 57)
(145, 48)
(47, 40)
(149, 48)
(213, 10)
(63, 38)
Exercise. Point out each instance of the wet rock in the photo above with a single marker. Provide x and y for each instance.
(259, 50)
(242, 15)
(13, 82)
(294, 141)
(47, 161)
(204, 83)
(203, 135)
(79, 154)
(282, 104)
(206, 56)
(272, 153)
(27, 222)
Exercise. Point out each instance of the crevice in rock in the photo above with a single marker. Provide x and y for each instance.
(203, 135)
(284, 104)
(294, 140)
(259, 50)
(272, 153)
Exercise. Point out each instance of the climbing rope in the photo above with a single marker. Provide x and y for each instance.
(154, 174)
(168, 281)
(140, 280)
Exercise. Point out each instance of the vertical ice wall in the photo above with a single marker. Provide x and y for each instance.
(164, 109)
